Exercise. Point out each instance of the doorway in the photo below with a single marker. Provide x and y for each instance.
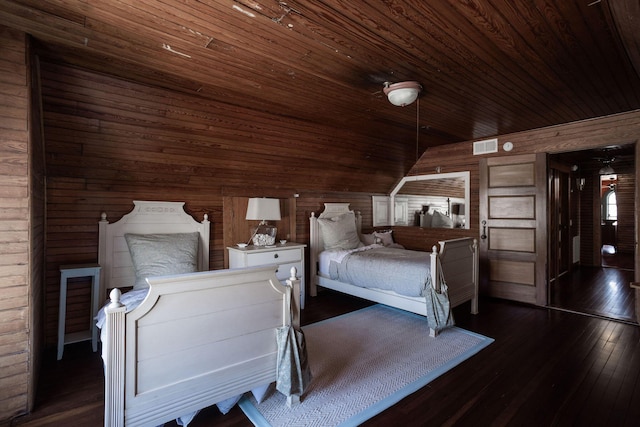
(592, 249)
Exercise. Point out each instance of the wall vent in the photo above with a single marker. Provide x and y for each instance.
(485, 147)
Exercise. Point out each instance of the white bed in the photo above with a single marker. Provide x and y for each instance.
(197, 338)
(458, 259)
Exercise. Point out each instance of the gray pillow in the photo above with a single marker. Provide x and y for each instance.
(386, 238)
(162, 255)
(368, 239)
(339, 232)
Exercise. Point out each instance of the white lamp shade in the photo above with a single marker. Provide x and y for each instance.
(403, 93)
(263, 209)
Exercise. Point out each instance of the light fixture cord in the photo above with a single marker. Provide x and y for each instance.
(417, 127)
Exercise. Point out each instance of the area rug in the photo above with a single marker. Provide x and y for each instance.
(362, 363)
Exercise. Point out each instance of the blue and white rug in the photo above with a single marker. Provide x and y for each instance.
(362, 363)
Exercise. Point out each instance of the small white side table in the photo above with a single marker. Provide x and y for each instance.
(72, 271)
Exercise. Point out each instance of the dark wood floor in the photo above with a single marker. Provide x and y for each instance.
(545, 368)
(598, 291)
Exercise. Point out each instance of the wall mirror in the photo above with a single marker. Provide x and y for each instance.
(430, 201)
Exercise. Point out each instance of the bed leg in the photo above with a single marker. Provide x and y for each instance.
(474, 305)
(293, 400)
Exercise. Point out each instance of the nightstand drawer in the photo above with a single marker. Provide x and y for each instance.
(284, 255)
(275, 257)
(284, 270)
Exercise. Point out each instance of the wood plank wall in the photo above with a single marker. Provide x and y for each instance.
(619, 129)
(109, 142)
(625, 198)
(37, 229)
(15, 375)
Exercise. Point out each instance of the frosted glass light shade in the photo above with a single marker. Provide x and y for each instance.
(403, 93)
(263, 209)
(607, 170)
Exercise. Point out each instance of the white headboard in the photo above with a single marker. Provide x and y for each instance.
(145, 218)
(316, 244)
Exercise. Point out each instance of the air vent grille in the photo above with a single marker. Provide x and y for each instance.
(485, 147)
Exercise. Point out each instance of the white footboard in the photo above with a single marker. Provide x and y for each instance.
(459, 261)
(196, 339)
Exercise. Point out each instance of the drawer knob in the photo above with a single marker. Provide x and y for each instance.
(275, 256)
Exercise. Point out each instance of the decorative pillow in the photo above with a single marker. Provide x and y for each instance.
(426, 219)
(368, 239)
(440, 220)
(162, 254)
(339, 232)
(386, 238)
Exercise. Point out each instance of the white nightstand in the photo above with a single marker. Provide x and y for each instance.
(284, 255)
(68, 272)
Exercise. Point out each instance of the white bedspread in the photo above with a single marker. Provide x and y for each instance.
(325, 258)
(403, 271)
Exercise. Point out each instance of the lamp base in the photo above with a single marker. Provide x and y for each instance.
(264, 235)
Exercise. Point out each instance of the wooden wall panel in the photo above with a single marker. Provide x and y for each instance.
(625, 198)
(618, 129)
(37, 230)
(15, 338)
(109, 142)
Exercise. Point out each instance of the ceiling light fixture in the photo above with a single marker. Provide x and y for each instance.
(403, 93)
(607, 169)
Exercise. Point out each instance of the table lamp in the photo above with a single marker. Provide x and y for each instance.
(263, 210)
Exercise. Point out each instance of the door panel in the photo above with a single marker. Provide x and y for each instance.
(512, 239)
(523, 273)
(512, 207)
(513, 222)
(521, 174)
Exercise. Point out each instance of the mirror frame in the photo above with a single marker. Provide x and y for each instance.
(464, 175)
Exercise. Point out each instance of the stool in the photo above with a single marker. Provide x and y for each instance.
(72, 271)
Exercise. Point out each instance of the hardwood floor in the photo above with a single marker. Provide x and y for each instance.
(599, 291)
(545, 368)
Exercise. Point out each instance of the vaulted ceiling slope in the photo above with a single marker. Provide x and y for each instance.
(488, 67)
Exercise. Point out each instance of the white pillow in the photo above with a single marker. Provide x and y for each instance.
(339, 232)
(162, 255)
(386, 238)
(440, 220)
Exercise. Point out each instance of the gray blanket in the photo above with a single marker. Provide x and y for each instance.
(402, 271)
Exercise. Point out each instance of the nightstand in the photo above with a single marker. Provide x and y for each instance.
(284, 255)
(73, 271)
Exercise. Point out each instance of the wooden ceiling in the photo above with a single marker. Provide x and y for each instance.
(488, 67)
